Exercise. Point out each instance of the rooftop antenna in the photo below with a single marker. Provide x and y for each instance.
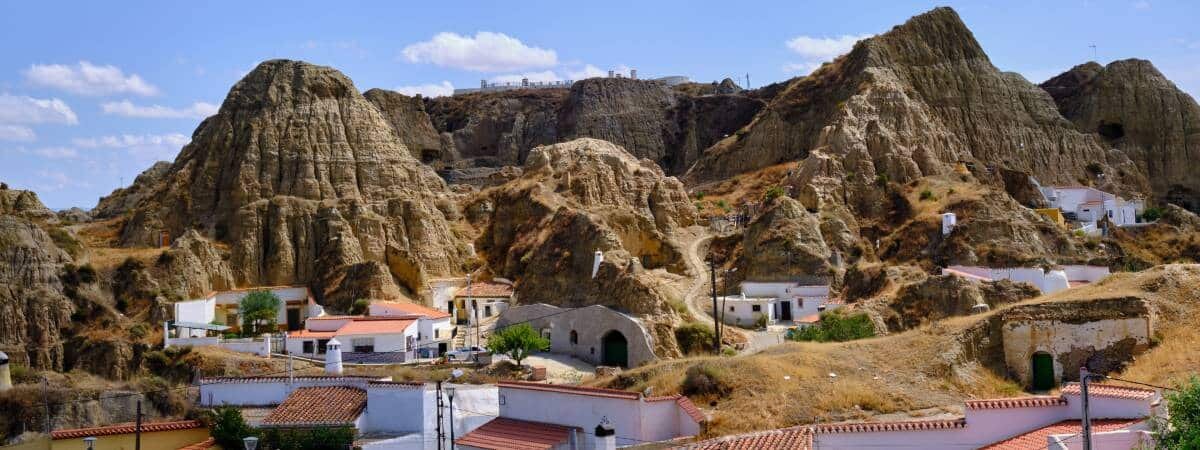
(1094, 57)
(747, 81)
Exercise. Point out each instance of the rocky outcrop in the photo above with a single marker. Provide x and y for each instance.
(577, 198)
(912, 102)
(784, 243)
(1130, 105)
(298, 171)
(33, 308)
(410, 121)
(942, 296)
(25, 204)
(123, 200)
(496, 129)
(195, 266)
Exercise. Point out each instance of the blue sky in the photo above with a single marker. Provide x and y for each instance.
(92, 93)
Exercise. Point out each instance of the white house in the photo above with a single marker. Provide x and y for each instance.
(385, 414)
(364, 339)
(1048, 282)
(434, 330)
(1089, 205)
(1118, 416)
(479, 301)
(778, 301)
(534, 415)
(221, 308)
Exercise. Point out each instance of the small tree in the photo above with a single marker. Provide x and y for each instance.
(1182, 429)
(259, 308)
(360, 306)
(517, 341)
(229, 427)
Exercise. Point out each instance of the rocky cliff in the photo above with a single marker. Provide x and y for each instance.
(577, 198)
(912, 102)
(33, 308)
(409, 120)
(302, 177)
(122, 200)
(1130, 105)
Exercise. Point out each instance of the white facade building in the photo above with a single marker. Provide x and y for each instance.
(391, 337)
(1089, 205)
(1047, 281)
(778, 301)
(221, 308)
(434, 327)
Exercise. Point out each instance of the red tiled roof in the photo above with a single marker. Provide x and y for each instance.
(691, 409)
(341, 317)
(359, 327)
(1110, 391)
(1016, 402)
(275, 379)
(573, 390)
(486, 289)
(301, 334)
(125, 428)
(793, 438)
(202, 445)
(413, 308)
(510, 434)
(875, 427)
(1037, 439)
(318, 406)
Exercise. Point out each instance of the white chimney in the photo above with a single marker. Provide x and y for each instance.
(333, 357)
(5, 373)
(596, 262)
(633, 73)
(610, 74)
(949, 221)
(606, 436)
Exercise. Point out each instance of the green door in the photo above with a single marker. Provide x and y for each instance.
(615, 350)
(1043, 371)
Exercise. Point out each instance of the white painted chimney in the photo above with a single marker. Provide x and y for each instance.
(333, 357)
(5, 373)
(633, 73)
(606, 436)
(949, 221)
(596, 262)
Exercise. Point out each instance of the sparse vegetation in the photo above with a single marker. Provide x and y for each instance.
(772, 193)
(836, 326)
(694, 338)
(927, 195)
(706, 380)
(360, 306)
(881, 180)
(63, 239)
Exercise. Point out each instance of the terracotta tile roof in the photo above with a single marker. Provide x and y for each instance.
(331, 317)
(691, 409)
(360, 327)
(276, 379)
(413, 308)
(793, 438)
(319, 406)
(125, 428)
(510, 434)
(202, 445)
(305, 334)
(573, 390)
(486, 289)
(1016, 402)
(1037, 439)
(1110, 391)
(875, 427)
(396, 384)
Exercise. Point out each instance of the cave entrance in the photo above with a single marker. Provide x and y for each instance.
(1043, 371)
(1111, 131)
(614, 350)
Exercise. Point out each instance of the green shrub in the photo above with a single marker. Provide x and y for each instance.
(323, 438)
(63, 239)
(1095, 168)
(1182, 429)
(228, 427)
(694, 338)
(706, 380)
(760, 322)
(517, 341)
(927, 195)
(772, 193)
(1151, 214)
(360, 306)
(139, 330)
(881, 180)
(836, 326)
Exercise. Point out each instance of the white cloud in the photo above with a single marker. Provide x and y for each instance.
(56, 152)
(88, 79)
(588, 71)
(816, 50)
(428, 90)
(485, 52)
(17, 133)
(197, 110)
(147, 147)
(53, 180)
(28, 110)
(1142, 5)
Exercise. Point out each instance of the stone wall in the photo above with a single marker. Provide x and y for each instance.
(590, 324)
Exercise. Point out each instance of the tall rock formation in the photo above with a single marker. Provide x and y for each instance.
(410, 121)
(303, 177)
(122, 200)
(908, 103)
(33, 308)
(1130, 105)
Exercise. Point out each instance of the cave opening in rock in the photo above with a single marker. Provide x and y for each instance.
(1111, 131)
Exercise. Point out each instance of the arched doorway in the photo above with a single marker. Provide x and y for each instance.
(1043, 371)
(614, 349)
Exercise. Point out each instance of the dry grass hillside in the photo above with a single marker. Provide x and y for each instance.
(921, 372)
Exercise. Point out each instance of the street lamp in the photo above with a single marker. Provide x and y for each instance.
(89, 442)
(250, 442)
(450, 393)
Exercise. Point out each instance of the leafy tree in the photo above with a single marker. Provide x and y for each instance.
(229, 427)
(772, 193)
(517, 341)
(1151, 214)
(1182, 429)
(360, 306)
(836, 327)
(259, 309)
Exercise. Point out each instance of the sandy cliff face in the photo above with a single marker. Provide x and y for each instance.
(302, 176)
(577, 198)
(122, 200)
(33, 308)
(1130, 105)
(409, 120)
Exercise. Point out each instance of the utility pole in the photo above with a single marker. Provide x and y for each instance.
(747, 81)
(440, 437)
(712, 268)
(46, 400)
(1086, 418)
(137, 428)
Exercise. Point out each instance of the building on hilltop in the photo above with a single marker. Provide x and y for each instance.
(525, 83)
(1088, 206)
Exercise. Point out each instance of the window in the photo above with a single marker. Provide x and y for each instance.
(321, 343)
(308, 347)
(730, 309)
(574, 337)
(363, 345)
(487, 311)
(1110, 214)
(756, 308)
(436, 333)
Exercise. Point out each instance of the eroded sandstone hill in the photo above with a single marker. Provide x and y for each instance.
(1130, 105)
(912, 102)
(306, 182)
